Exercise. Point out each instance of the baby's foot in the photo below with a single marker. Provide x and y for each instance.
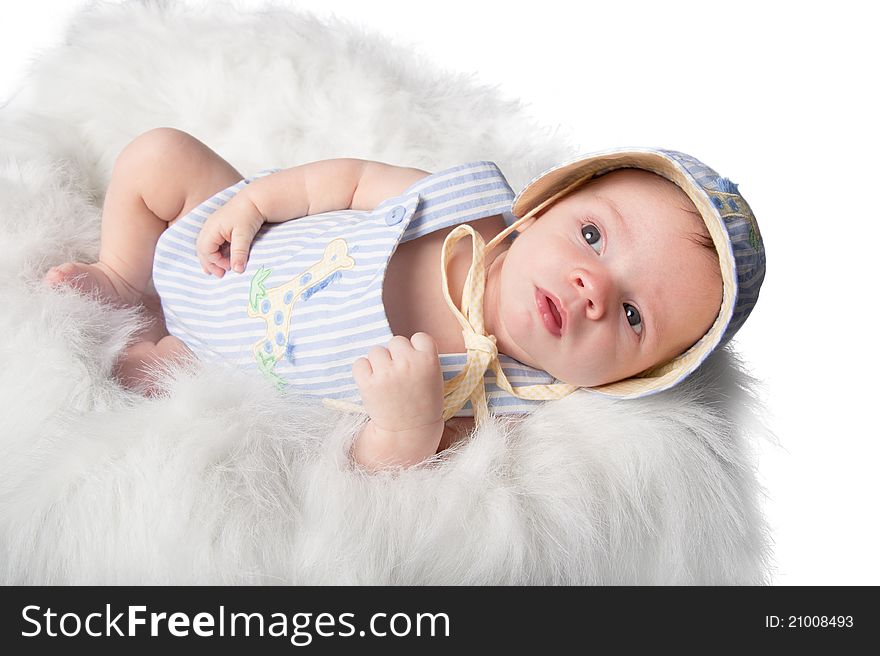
(137, 367)
(97, 278)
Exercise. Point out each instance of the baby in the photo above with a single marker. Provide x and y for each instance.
(627, 269)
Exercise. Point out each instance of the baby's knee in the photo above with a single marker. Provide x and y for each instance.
(159, 166)
(156, 148)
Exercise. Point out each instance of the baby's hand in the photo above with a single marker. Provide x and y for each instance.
(225, 238)
(402, 390)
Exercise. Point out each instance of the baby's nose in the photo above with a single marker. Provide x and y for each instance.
(593, 288)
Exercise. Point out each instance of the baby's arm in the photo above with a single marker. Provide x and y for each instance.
(324, 186)
(401, 385)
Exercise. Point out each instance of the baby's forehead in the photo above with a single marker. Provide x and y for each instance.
(632, 192)
(641, 181)
(637, 195)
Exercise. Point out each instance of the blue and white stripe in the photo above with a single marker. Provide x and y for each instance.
(334, 326)
(743, 235)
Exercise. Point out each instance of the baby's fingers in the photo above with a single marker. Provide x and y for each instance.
(213, 263)
(240, 245)
(209, 249)
(417, 354)
(361, 370)
(424, 342)
(400, 348)
(214, 270)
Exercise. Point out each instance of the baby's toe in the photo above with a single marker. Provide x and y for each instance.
(61, 274)
(72, 274)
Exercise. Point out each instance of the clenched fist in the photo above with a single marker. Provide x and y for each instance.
(402, 390)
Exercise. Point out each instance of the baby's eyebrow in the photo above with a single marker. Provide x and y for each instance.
(615, 211)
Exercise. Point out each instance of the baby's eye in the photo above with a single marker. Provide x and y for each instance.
(592, 235)
(633, 317)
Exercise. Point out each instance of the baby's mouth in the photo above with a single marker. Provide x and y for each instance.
(549, 311)
(555, 311)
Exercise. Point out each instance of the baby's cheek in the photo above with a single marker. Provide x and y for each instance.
(515, 321)
(588, 365)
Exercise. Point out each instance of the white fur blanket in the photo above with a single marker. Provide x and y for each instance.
(222, 481)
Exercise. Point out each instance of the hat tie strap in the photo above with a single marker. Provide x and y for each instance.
(482, 349)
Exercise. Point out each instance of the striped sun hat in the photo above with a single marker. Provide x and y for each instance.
(728, 218)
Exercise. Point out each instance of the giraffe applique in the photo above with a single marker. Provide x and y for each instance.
(275, 305)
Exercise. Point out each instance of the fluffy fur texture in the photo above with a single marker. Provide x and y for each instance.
(223, 481)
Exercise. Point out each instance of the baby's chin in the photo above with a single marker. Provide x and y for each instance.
(590, 378)
(588, 381)
(578, 378)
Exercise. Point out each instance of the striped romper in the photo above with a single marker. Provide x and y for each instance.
(309, 302)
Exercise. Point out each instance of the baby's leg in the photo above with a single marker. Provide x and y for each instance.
(156, 179)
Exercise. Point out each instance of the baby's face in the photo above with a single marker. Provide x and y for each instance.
(606, 283)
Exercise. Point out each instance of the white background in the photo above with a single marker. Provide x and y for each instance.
(781, 97)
